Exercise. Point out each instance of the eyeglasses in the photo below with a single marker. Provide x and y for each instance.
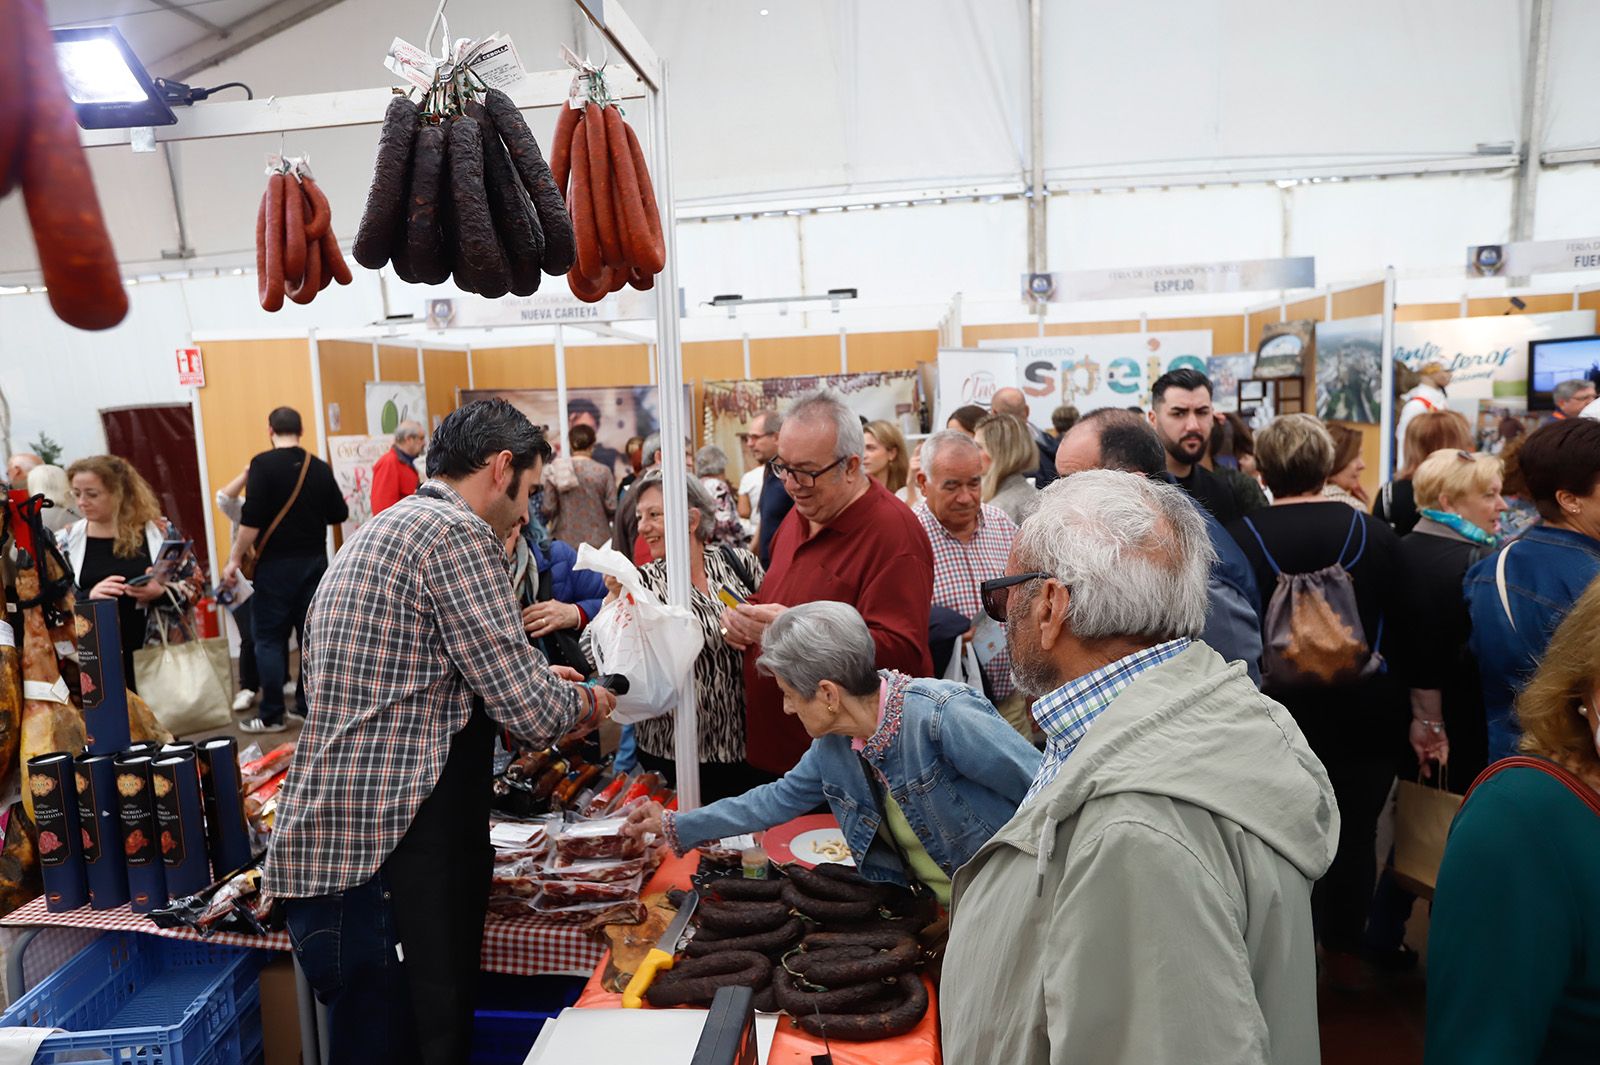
(996, 594)
(1465, 456)
(805, 478)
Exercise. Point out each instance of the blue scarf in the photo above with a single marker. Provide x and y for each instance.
(1456, 523)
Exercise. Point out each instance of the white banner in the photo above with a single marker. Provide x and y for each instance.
(971, 375)
(391, 402)
(1181, 279)
(1533, 257)
(1487, 356)
(1090, 372)
(542, 308)
(352, 458)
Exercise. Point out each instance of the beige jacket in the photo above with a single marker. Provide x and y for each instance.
(1152, 905)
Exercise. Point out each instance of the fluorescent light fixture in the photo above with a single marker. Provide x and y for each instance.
(109, 87)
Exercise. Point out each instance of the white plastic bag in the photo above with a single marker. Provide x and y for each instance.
(964, 667)
(638, 636)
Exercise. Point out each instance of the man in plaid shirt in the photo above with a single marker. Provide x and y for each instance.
(414, 655)
(970, 541)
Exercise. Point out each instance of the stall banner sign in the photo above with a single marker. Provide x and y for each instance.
(891, 396)
(1533, 257)
(1349, 360)
(542, 308)
(191, 368)
(1178, 279)
(615, 414)
(1090, 372)
(391, 402)
(352, 459)
(971, 376)
(1487, 356)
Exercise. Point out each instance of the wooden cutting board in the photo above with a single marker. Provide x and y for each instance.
(631, 942)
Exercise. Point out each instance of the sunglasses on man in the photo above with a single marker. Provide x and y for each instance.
(996, 594)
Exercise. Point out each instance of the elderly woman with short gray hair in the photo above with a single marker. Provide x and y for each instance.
(719, 670)
(928, 762)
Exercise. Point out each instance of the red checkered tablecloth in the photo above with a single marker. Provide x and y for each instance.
(520, 946)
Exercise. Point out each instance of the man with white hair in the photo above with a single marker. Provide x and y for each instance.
(1151, 900)
(394, 476)
(970, 541)
(848, 539)
(1571, 398)
(18, 467)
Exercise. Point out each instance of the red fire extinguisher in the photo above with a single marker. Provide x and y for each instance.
(205, 618)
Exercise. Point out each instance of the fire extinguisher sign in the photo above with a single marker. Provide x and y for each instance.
(191, 368)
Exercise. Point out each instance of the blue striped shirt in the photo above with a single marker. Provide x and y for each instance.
(1066, 713)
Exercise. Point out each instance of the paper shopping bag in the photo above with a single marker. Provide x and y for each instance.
(1422, 824)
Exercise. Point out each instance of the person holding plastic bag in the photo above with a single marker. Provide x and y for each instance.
(919, 773)
(718, 576)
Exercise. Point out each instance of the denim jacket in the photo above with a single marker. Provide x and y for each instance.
(955, 767)
(1547, 570)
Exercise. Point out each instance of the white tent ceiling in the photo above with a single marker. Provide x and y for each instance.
(877, 98)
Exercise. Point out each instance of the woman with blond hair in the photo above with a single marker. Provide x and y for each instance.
(1431, 431)
(112, 548)
(1012, 456)
(1513, 943)
(887, 460)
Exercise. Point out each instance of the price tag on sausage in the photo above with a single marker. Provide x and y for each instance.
(497, 63)
(411, 63)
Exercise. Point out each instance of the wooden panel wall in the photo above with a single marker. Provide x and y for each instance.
(245, 380)
(446, 373)
(346, 369)
(398, 364)
(1227, 331)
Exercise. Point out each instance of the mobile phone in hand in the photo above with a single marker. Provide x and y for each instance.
(135, 582)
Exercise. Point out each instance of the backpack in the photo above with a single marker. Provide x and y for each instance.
(1311, 633)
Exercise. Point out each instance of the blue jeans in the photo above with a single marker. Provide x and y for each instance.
(284, 587)
(346, 945)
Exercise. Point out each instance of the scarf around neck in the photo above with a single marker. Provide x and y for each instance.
(1457, 524)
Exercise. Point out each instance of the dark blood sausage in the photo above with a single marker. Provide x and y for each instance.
(386, 198)
(538, 180)
(695, 982)
(908, 1010)
(561, 144)
(780, 938)
(800, 1003)
(825, 910)
(800, 962)
(425, 243)
(830, 889)
(320, 214)
(742, 918)
(766, 1000)
(481, 265)
(600, 178)
(294, 233)
(641, 245)
(400, 253)
(580, 201)
(738, 889)
(75, 253)
(514, 217)
(838, 972)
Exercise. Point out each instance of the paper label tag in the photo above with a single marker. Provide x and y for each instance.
(410, 63)
(8, 635)
(66, 649)
(40, 692)
(497, 63)
(508, 834)
(578, 91)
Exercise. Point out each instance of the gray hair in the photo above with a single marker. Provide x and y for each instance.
(699, 499)
(1134, 553)
(771, 421)
(943, 440)
(710, 461)
(1567, 389)
(406, 430)
(813, 642)
(652, 447)
(827, 405)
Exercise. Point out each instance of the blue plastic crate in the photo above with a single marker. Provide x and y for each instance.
(144, 1000)
(502, 1033)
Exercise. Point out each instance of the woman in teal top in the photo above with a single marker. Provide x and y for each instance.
(1514, 941)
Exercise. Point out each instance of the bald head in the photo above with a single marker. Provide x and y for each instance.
(19, 466)
(1010, 401)
(1111, 439)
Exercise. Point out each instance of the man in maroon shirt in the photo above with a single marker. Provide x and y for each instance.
(848, 539)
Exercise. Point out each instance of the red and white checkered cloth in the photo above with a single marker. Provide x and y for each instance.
(520, 946)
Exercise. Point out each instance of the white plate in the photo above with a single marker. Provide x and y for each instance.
(804, 846)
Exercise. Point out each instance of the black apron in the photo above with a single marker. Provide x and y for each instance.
(438, 879)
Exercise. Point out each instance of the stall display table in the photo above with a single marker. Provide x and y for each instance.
(790, 1046)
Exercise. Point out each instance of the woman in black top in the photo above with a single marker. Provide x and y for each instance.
(115, 543)
(1434, 430)
(1353, 727)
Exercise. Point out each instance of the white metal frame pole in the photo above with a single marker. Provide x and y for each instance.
(207, 497)
(1386, 410)
(674, 476)
(561, 390)
(314, 354)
